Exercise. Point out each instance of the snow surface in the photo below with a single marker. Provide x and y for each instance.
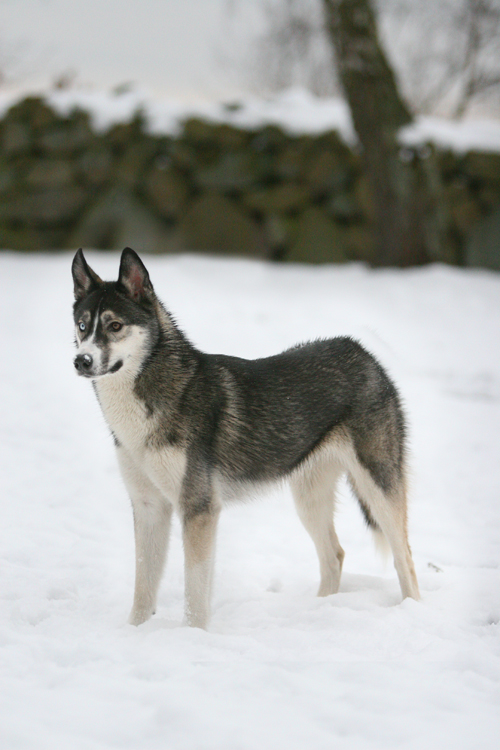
(296, 110)
(279, 668)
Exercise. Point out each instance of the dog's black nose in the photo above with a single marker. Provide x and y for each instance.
(83, 362)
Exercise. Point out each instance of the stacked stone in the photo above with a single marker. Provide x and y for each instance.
(213, 188)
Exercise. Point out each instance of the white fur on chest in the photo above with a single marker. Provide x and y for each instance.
(166, 468)
(134, 426)
(125, 414)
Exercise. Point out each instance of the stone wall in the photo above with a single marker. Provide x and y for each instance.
(213, 188)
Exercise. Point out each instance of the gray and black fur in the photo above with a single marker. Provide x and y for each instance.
(193, 430)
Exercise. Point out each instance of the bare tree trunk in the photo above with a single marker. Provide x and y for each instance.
(408, 225)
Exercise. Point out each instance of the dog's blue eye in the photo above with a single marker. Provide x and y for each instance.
(81, 326)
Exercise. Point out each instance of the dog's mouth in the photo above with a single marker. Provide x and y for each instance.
(117, 366)
(84, 365)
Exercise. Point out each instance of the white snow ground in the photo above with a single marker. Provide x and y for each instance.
(279, 669)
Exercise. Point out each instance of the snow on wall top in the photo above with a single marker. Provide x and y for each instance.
(295, 110)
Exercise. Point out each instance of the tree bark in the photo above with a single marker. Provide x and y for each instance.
(409, 223)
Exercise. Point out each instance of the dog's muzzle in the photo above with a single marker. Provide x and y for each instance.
(83, 363)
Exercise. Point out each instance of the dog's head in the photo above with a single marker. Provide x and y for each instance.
(113, 320)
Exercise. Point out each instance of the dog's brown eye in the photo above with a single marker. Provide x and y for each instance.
(116, 326)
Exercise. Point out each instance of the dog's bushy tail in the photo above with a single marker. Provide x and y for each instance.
(381, 544)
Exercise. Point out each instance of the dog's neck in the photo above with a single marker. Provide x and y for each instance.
(166, 363)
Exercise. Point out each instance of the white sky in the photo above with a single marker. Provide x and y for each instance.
(172, 47)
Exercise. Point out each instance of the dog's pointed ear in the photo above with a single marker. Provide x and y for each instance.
(84, 278)
(133, 276)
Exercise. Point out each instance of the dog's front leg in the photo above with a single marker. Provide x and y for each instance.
(152, 518)
(199, 533)
(151, 530)
(199, 521)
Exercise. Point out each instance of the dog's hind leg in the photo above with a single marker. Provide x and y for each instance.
(313, 489)
(386, 511)
(152, 517)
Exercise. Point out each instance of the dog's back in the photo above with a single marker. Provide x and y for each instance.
(267, 416)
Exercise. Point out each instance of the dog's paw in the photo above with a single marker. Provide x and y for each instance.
(138, 616)
(196, 620)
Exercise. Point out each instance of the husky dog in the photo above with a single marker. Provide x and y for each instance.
(193, 430)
